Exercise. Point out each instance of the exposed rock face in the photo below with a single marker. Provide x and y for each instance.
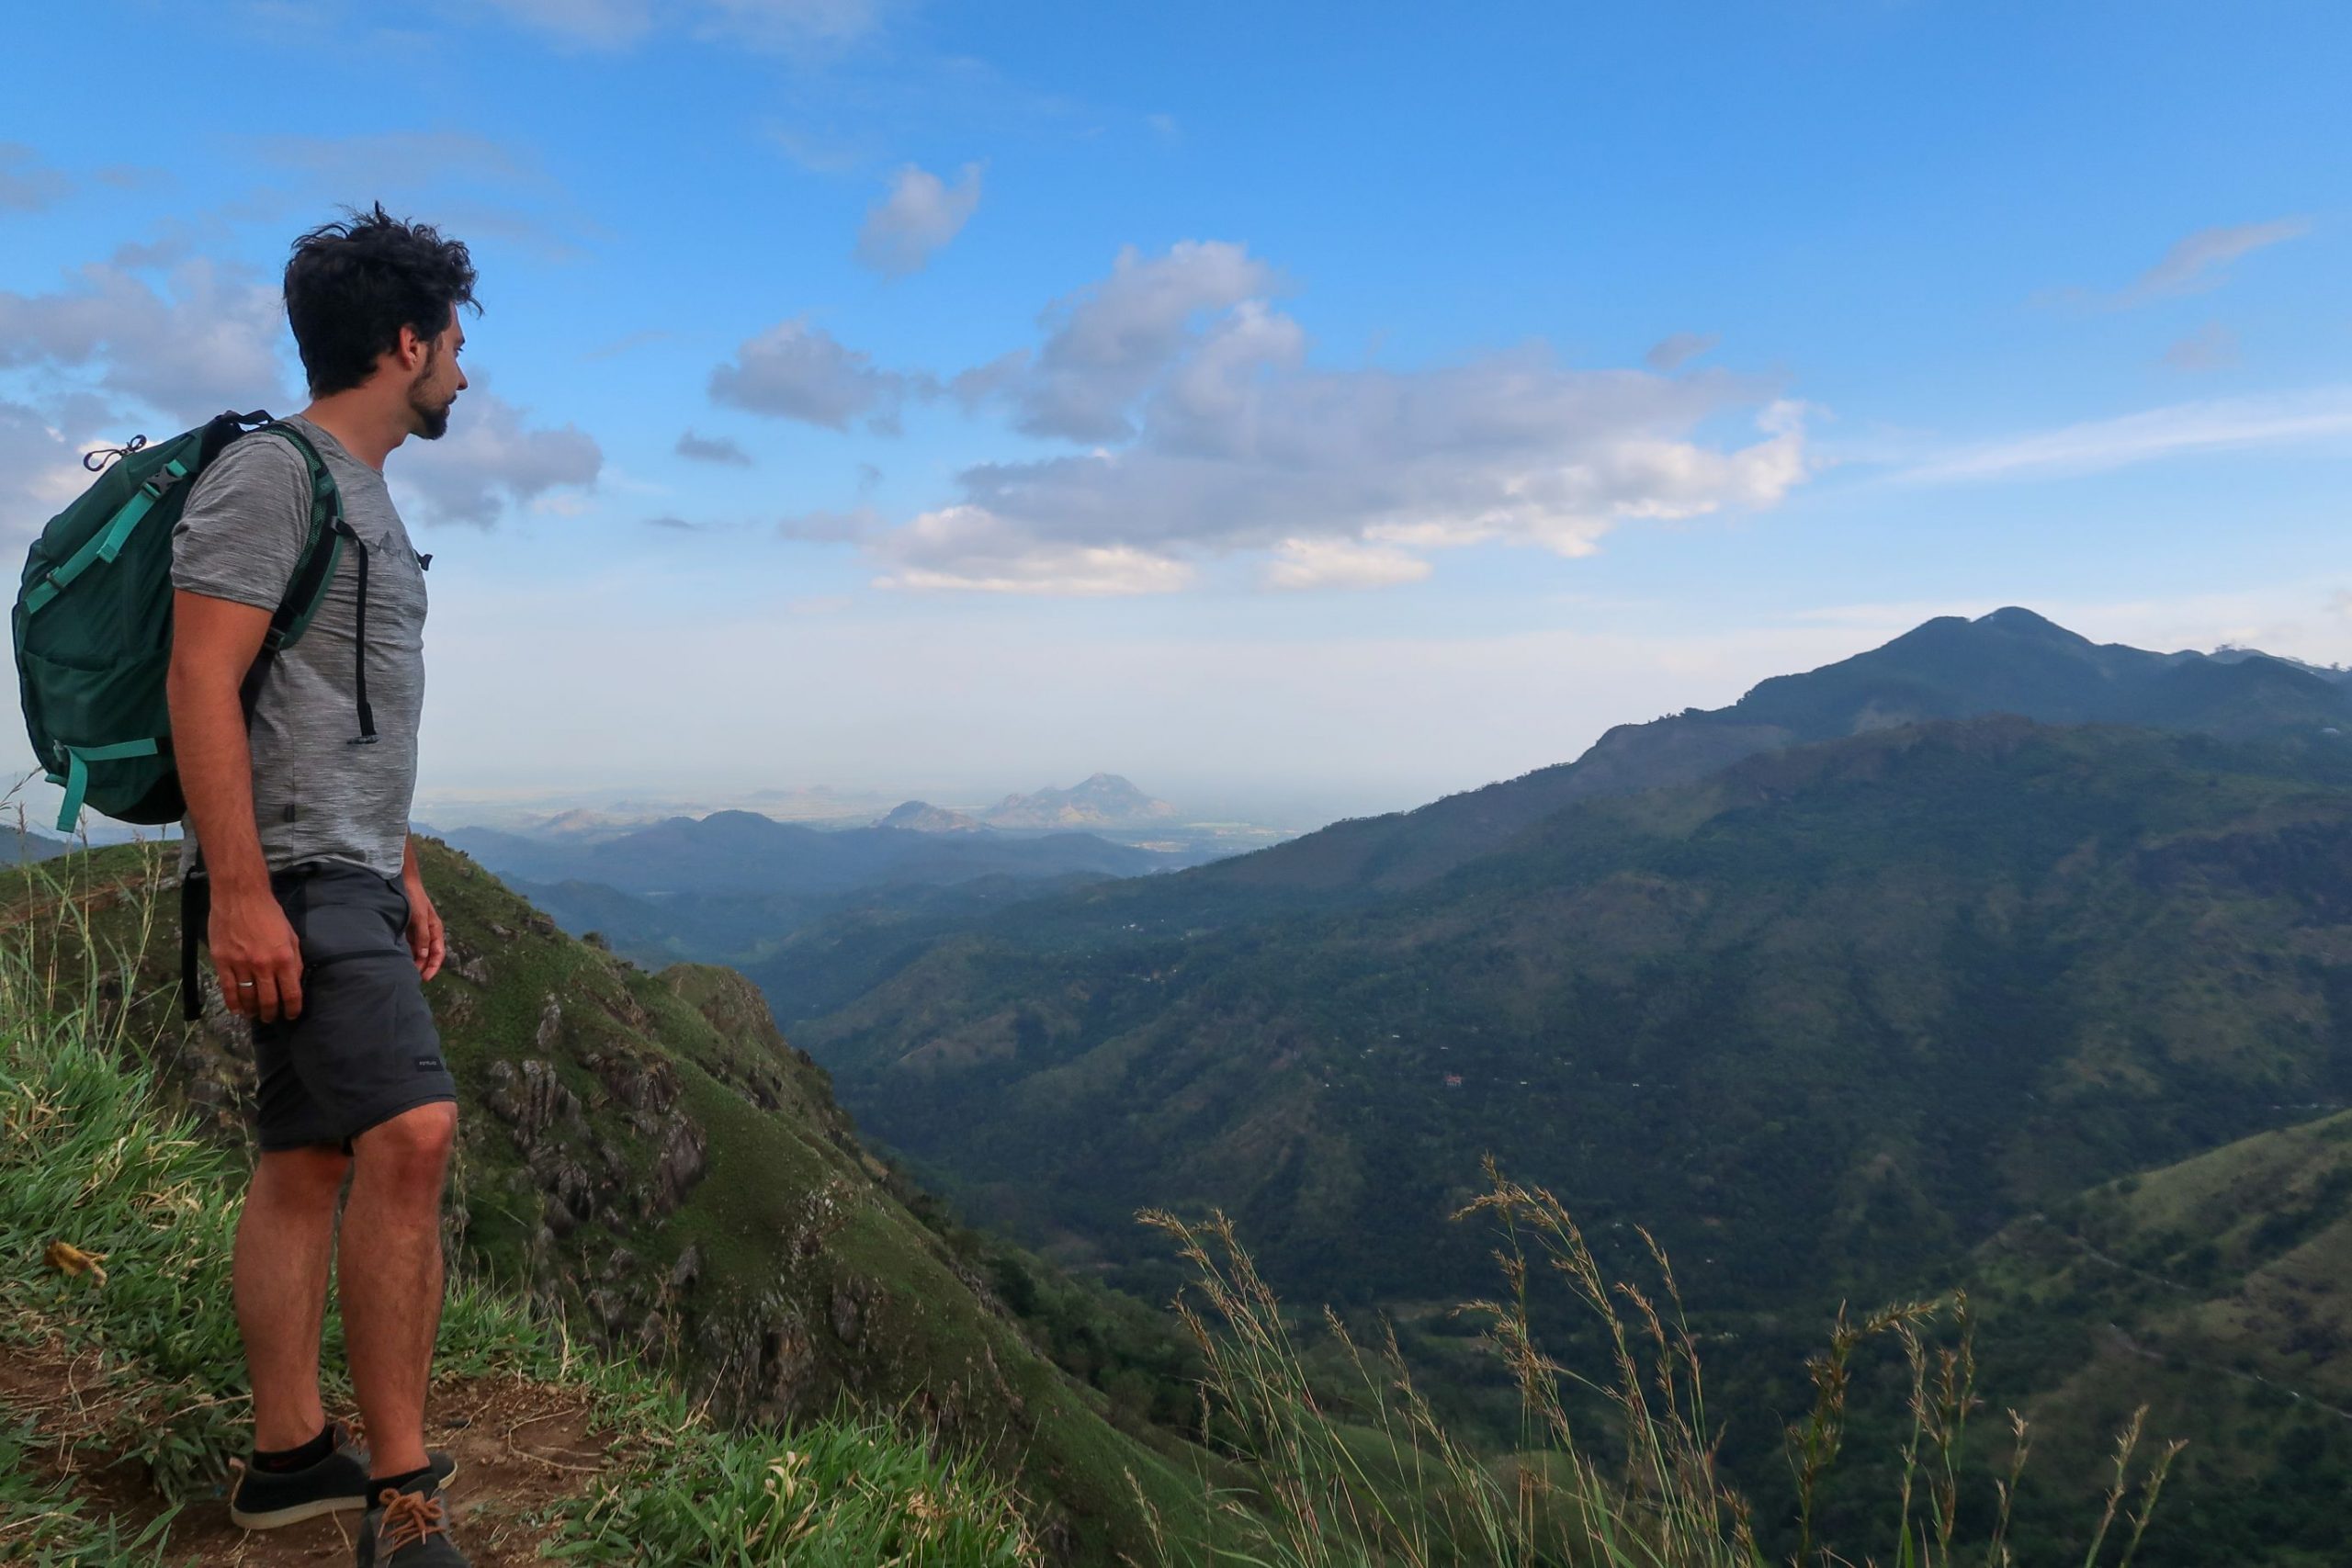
(645, 1084)
(685, 1148)
(532, 1100)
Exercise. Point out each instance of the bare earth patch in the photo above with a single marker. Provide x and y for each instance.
(520, 1446)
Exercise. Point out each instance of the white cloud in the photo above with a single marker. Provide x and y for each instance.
(1340, 563)
(27, 185)
(1107, 345)
(964, 549)
(1674, 352)
(795, 371)
(920, 214)
(1215, 436)
(490, 459)
(2093, 446)
(41, 470)
(210, 340)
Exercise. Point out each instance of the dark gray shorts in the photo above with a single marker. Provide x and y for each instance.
(365, 1048)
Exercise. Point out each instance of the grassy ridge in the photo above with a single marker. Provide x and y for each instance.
(91, 1157)
(643, 1155)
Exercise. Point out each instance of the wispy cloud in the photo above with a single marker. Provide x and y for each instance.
(623, 345)
(27, 183)
(2199, 260)
(2210, 347)
(713, 449)
(920, 214)
(492, 459)
(2195, 261)
(2176, 430)
(1673, 352)
(397, 159)
(784, 25)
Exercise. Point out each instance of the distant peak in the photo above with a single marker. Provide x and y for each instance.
(2022, 622)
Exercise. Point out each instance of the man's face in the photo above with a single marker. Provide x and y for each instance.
(438, 381)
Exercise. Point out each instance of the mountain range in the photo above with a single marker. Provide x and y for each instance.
(1828, 989)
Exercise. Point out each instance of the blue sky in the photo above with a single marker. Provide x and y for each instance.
(1299, 409)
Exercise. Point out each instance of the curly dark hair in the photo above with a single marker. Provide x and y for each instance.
(352, 285)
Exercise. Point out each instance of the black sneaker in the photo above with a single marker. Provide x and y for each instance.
(265, 1499)
(408, 1529)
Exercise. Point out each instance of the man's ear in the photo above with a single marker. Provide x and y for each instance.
(410, 351)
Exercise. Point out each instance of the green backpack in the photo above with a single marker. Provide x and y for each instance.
(93, 618)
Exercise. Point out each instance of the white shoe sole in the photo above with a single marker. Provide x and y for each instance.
(278, 1518)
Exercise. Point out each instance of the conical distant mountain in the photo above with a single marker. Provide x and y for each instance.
(923, 817)
(1106, 800)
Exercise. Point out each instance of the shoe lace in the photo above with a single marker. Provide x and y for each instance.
(408, 1518)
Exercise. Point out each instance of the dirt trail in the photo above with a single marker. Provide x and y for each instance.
(519, 1446)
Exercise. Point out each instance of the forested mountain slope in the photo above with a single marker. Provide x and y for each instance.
(1828, 1017)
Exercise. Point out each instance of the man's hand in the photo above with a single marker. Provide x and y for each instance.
(257, 956)
(426, 942)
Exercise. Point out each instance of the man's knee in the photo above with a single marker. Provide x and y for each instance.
(410, 1149)
(311, 1175)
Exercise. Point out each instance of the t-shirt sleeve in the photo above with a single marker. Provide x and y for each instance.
(241, 536)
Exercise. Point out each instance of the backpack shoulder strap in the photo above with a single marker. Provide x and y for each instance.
(321, 549)
(308, 589)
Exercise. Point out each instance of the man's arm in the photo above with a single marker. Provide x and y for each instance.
(426, 942)
(214, 643)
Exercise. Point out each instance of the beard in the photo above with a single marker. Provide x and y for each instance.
(432, 418)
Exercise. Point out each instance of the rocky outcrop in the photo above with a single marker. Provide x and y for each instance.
(532, 1100)
(684, 1150)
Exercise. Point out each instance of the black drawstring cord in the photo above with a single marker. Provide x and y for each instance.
(367, 736)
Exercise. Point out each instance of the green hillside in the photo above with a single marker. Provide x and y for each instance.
(1834, 1014)
(2219, 1290)
(1825, 1022)
(644, 1154)
(120, 1376)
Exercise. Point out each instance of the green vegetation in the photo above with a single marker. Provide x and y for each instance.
(1615, 1463)
(645, 1158)
(1324, 1455)
(139, 1318)
(1827, 1021)
(2219, 1290)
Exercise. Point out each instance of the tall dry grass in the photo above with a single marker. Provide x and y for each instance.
(1616, 1464)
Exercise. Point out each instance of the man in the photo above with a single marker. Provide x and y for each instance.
(320, 928)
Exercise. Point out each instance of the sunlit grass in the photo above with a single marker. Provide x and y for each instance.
(91, 1156)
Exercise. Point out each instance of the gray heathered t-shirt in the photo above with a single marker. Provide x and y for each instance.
(316, 795)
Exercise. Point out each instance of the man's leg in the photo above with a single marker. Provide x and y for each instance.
(285, 1237)
(390, 1271)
